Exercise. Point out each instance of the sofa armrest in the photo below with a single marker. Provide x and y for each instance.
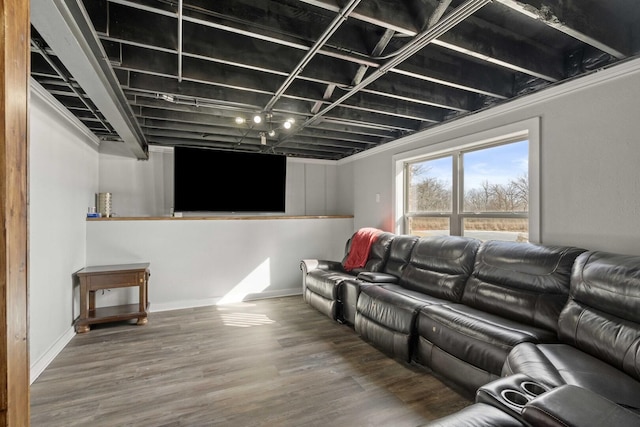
(308, 265)
(375, 277)
(570, 406)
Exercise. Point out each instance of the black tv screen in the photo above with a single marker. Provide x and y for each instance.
(228, 181)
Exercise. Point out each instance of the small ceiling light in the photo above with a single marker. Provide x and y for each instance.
(167, 98)
(263, 138)
(240, 120)
(272, 133)
(257, 119)
(288, 123)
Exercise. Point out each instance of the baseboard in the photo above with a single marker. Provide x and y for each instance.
(178, 305)
(274, 294)
(41, 364)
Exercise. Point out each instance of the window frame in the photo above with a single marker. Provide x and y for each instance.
(525, 130)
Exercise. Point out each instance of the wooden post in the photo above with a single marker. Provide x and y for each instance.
(14, 323)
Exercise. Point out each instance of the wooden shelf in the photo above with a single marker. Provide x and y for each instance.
(219, 218)
(115, 313)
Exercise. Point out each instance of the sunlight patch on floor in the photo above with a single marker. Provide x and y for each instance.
(245, 320)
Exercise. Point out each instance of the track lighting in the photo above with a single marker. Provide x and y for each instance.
(271, 123)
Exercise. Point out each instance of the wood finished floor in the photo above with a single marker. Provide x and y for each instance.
(275, 362)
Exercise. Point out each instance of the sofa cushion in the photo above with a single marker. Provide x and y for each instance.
(327, 306)
(602, 316)
(521, 281)
(399, 254)
(481, 339)
(392, 306)
(385, 317)
(440, 265)
(325, 283)
(379, 252)
(557, 364)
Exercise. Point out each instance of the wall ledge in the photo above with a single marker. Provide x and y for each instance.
(220, 218)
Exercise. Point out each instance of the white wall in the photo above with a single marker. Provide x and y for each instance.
(145, 188)
(590, 153)
(203, 262)
(138, 187)
(63, 177)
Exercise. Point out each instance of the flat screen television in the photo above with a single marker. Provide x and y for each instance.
(228, 181)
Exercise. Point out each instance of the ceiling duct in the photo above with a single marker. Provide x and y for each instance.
(66, 28)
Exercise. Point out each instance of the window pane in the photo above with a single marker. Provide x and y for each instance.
(430, 185)
(496, 179)
(429, 226)
(511, 229)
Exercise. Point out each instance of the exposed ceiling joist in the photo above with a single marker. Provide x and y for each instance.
(353, 74)
(419, 42)
(567, 17)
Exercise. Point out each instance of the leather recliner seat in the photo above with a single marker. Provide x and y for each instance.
(599, 333)
(514, 294)
(322, 279)
(434, 272)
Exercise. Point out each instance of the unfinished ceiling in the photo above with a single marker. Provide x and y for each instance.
(353, 74)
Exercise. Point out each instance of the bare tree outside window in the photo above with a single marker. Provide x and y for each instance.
(510, 197)
(429, 193)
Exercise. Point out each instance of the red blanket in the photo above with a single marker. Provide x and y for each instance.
(360, 245)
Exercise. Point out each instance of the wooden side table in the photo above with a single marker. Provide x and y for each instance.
(100, 277)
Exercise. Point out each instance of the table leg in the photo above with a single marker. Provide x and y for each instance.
(82, 327)
(92, 301)
(142, 298)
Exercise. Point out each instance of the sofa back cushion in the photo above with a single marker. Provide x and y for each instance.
(399, 254)
(525, 282)
(440, 266)
(379, 252)
(602, 315)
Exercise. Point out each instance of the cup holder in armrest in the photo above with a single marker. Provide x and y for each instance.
(533, 389)
(514, 397)
(510, 393)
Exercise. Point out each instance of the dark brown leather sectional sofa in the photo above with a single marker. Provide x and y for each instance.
(526, 327)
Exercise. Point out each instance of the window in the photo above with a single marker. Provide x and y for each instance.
(476, 189)
(429, 196)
